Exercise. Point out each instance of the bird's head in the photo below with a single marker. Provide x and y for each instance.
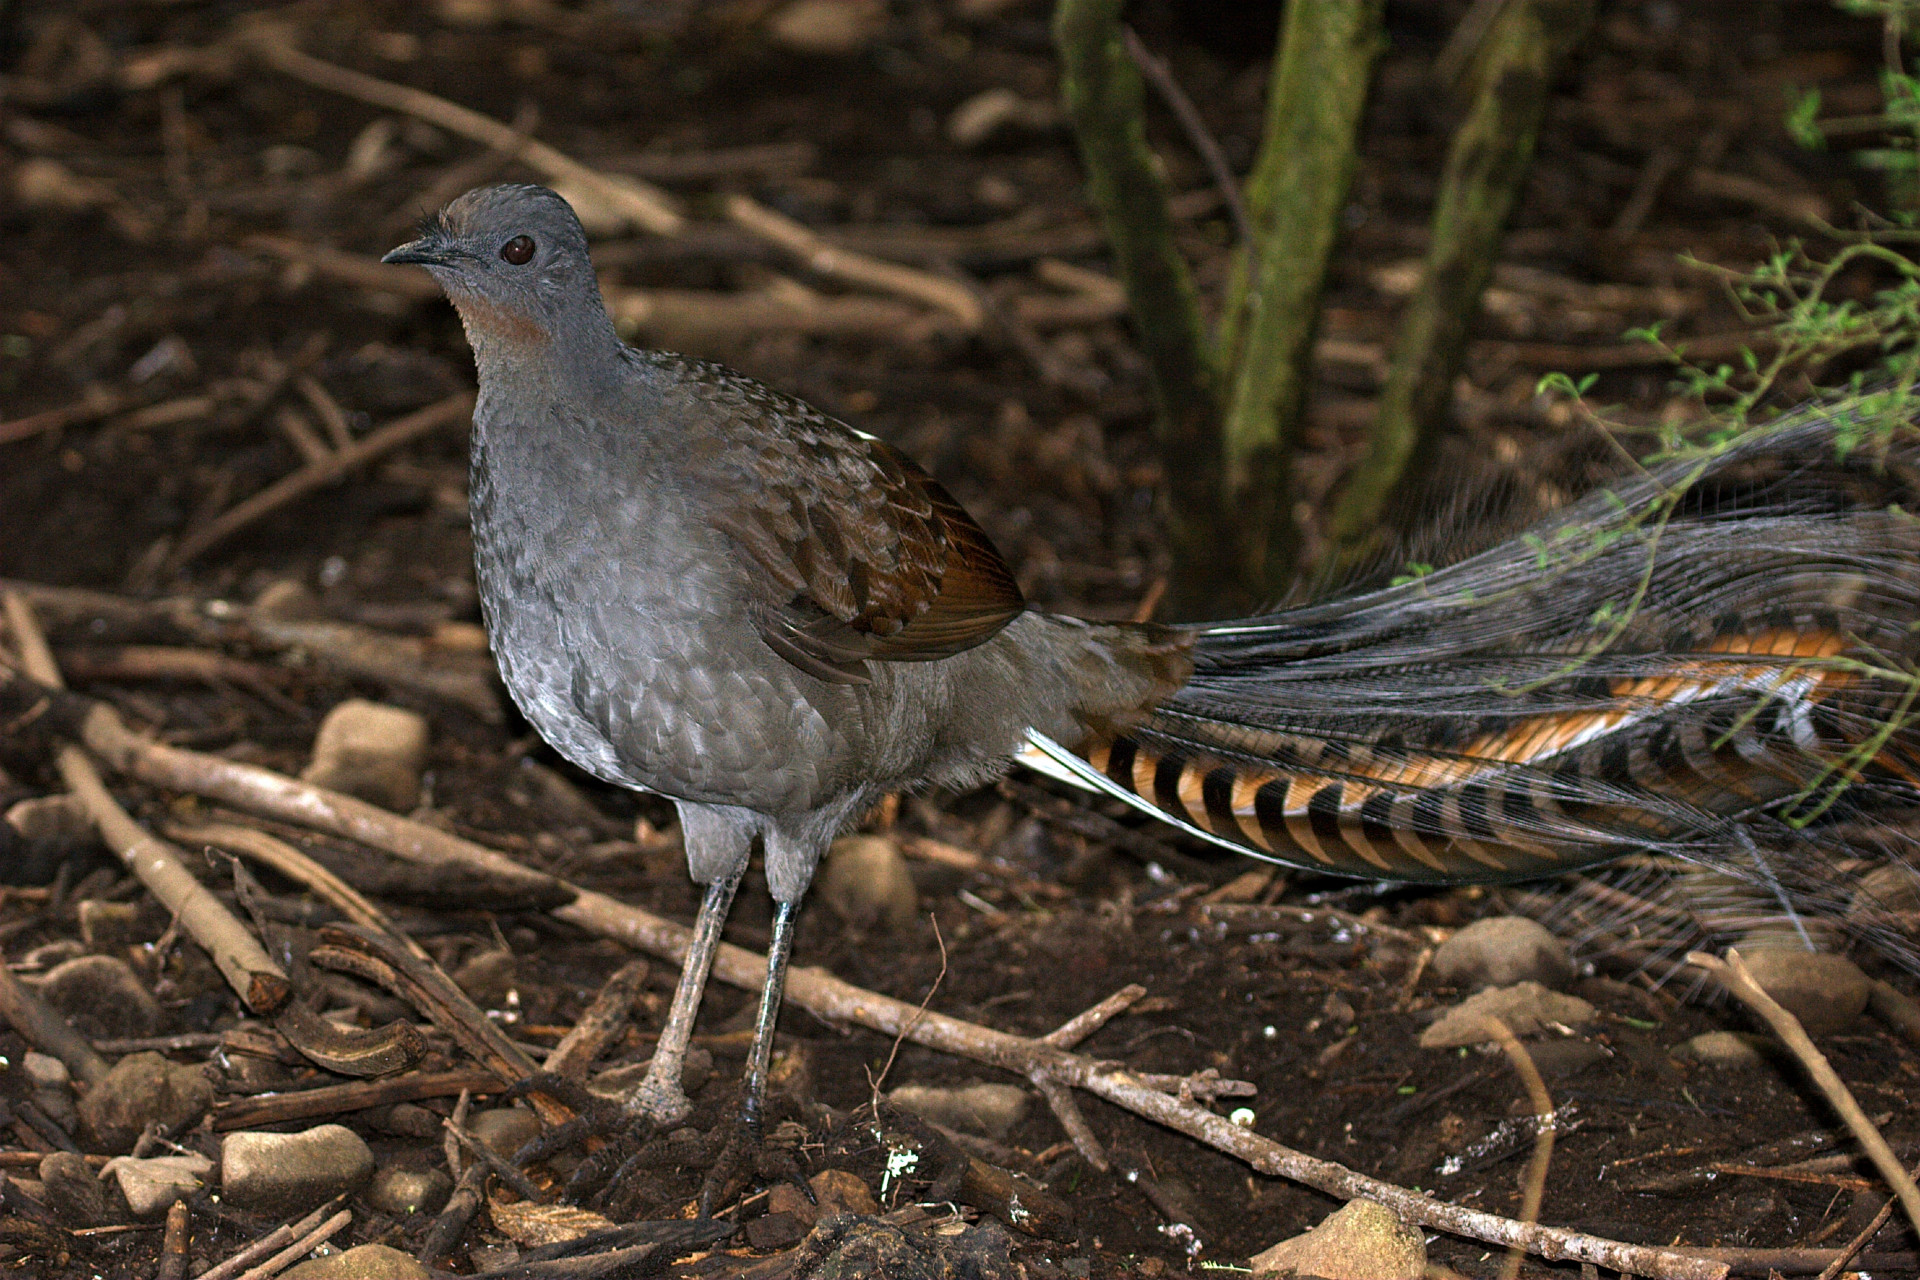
(513, 259)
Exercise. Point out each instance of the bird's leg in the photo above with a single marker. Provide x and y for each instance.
(660, 1096)
(742, 1153)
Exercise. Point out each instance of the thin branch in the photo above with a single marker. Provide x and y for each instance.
(161, 867)
(1734, 975)
(1160, 76)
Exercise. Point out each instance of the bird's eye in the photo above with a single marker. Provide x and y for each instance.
(518, 251)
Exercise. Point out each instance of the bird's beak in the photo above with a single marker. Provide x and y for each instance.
(430, 250)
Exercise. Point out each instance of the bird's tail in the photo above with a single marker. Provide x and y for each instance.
(1717, 655)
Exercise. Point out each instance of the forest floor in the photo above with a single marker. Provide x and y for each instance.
(191, 310)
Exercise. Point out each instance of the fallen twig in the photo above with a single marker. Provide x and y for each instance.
(601, 1024)
(647, 207)
(91, 407)
(299, 1249)
(336, 1099)
(278, 1238)
(1534, 1188)
(315, 475)
(1732, 973)
(260, 982)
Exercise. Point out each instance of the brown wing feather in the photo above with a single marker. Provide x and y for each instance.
(865, 555)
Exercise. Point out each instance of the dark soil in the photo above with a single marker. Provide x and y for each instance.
(138, 278)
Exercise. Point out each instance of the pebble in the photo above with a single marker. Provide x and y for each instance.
(865, 882)
(285, 1174)
(989, 1110)
(1826, 992)
(372, 751)
(842, 1191)
(1362, 1241)
(55, 823)
(143, 1088)
(617, 1082)
(151, 1185)
(406, 1192)
(102, 998)
(829, 28)
(289, 598)
(364, 1262)
(1526, 1008)
(987, 113)
(1500, 951)
(52, 1088)
(71, 1189)
(1728, 1050)
(487, 977)
(1893, 889)
(504, 1130)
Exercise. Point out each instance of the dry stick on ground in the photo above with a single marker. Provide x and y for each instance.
(1732, 973)
(647, 207)
(260, 983)
(313, 476)
(263, 791)
(278, 1238)
(173, 1246)
(91, 407)
(298, 1249)
(1535, 1187)
(601, 1024)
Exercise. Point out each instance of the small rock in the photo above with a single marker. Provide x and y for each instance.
(365, 1262)
(72, 1190)
(990, 1110)
(865, 882)
(405, 1192)
(57, 823)
(829, 27)
(1526, 1008)
(1826, 992)
(1558, 1059)
(404, 1120)
(773, 1231)
(372, 751)
(44, 1071)
(1500, 951)
(990, 111)
(618, 1082)
(107, 925)
(289, 598)
(1893, 889)
(1362, 1241)
(839, 1191)
(289, 1173)
(786, 1199)
(102, 998)
(143, 1088)
(504, 1130)
(152, 1185)
(487, 977)
(1727, 1050)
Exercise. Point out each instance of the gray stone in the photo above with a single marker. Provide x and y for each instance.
(143, 1089)
(1726, 1050)
(617, 1082)
(153, 1184)
(372, 751)
(1526, 1008)
(405, 1192)
(1500, 951)
(366, 1262)
(72, 1190)
(864, 880)
(1362, 1241)
(1826, 992)
(289, 1173)
(504, 1130)
(990, 1110)
(102, 998)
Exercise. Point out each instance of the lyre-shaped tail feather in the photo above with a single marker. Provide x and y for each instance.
(1728, 639)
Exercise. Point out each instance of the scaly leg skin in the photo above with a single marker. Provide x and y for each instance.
(659, 1096)
(744, 1152)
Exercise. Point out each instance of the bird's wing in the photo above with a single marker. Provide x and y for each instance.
(864, 555)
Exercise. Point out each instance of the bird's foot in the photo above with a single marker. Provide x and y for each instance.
(747, 1153)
